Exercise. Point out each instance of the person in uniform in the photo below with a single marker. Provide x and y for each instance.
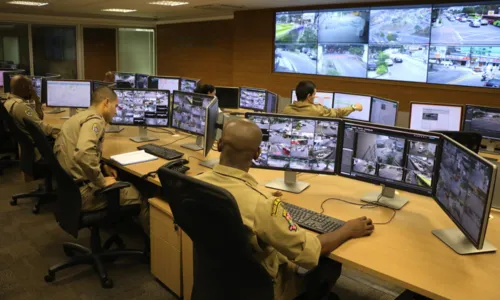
(78, 149)
(109, 77)
(280, 245)
(304, 106)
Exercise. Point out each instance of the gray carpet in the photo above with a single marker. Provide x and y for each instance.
(29, 244)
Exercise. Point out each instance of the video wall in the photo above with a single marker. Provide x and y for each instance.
(442, 44)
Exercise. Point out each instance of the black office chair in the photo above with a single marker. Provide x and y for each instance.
(470, 140)
(34, 169)
(71, 218)
(224, 267)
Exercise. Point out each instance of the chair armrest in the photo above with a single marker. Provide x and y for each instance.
(112, 195)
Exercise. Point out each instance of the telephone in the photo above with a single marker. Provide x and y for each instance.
(178, 165)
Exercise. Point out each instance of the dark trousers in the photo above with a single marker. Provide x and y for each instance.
(319, 281)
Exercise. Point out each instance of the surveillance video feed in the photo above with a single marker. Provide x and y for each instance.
(343, 26)
(296, 42)
(297, 144)
(483, 120)
(188, 85)
(253, 99)
(466, 24)
(189, 112)
(348, 60)
(37, 85)
(463, 187)
(145, 108)
(400, 25)
(141, 81)
(125, 79)
(420, 163)
(398, 62)
(383, 112)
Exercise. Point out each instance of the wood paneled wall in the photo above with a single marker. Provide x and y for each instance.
(99, 51)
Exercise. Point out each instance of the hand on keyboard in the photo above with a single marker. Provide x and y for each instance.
(360, 227)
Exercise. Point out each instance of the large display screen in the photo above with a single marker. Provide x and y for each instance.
(443, 44)
(483, 120)
(251, 98)
(142, 107)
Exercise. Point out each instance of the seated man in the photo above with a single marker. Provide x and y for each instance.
(78, 149)
(109, 77)
(280, 245)
(304, 106)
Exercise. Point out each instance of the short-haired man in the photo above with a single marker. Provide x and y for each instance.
(109, 77)
(304, 106)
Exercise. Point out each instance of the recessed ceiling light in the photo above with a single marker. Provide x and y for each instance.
(169, 3)
(28, 3)
(121, 10)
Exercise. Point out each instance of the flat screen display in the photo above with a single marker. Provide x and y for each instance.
(164, 83)
(272, 102)
(141, 81)
(251, 98)
(435, 117)
(188, 85)
(76, 94)
(345, 100)
(189, 112)
(125, 80)
(384, 112)
(228, 96)
(36, 81)
(323, 98)
(142, 107)
(483, 120)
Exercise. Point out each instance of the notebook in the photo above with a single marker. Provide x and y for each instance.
(133, 157)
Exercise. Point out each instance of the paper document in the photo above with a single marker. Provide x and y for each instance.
(133, 157)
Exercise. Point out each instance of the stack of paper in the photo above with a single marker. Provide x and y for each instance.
(133, 157)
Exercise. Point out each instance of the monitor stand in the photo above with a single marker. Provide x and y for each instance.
(289, 183)
(388, 198)
(210, 163)
(113, 129)
(195, 147)
(143, 136)
(72, 112)
(58, 110)
(490, 147)
(457, 241)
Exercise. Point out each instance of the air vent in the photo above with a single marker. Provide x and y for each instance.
(226, 7)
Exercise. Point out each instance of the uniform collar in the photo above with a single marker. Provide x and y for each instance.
(302, 103)
(11, 96)
(236, 173)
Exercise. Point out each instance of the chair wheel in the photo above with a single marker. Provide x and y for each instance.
(50, 277)
(13, 202)
(107, 283)
(36, 210)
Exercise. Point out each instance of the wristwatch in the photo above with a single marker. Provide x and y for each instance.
(353, 106)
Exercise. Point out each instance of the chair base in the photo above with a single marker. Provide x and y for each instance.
(42, 194)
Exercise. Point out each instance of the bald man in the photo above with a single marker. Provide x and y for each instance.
(280, 245)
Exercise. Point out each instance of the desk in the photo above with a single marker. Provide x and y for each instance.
(403, 252)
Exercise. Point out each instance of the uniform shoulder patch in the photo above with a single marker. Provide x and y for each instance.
(276, 204)
(291, 225)
(95, 128)
(28, 112)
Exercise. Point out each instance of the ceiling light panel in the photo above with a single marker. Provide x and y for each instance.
(168, 3)
(28, 3)
(120, 10)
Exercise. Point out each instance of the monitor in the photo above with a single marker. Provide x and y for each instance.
(141, 81)
(142, 107)
(342, 100)
(164, 83)
(36, 81)
(188, 85)
(125, 80)
(6, 75)
(212, 115)
(272, 102)
(322, 97)
(384, 111)
(464, 190)
(97, 84)
(229, 97)
(432, 117)
(67, 93)
(189, 112)
(484, 120)
(393, 157)
(252, 98)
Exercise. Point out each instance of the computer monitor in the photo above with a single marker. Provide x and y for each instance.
(164, 83)
(253, 98)
(210, 127)
(189, 115)
(485, 121)
(125, 80)
(6, 76)
(341, 100)
(272, 102)
(97, 84)
(67, 93)
(384, 111)
(36, 81)
(296, 144)
(432, 117)
(188, 85)
(141, 81)
(322, 97)
(393, 157)
(228, 96)
(464, 190)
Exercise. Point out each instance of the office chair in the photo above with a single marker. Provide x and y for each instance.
(224, 267)
(470, 140)
(31, 168)
(71, 218)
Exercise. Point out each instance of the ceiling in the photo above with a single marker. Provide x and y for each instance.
(145, 11)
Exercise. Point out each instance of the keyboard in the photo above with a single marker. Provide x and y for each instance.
(312, 220)
(160, 151)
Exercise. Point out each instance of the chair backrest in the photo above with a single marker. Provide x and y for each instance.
(27, 162)
(470, 140)
(224, 266)
(69, 200)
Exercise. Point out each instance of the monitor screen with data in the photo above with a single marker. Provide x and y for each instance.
(164, 83)
(297, 143)
(125, 79)
(342, 100)
(323, 98)
(189, 112)
(188, 85)
(229, 97)
(140, 107)
(397, 158)
(483, 120)
(434, 117)
(384, 112)
(464, 189)
(252, 98)
(68, 93)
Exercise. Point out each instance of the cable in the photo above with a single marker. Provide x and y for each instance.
(183, 138)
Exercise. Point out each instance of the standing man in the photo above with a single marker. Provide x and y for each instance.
(78, 149)
(304, 106)
(280, 245)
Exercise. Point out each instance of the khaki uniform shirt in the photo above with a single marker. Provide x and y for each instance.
(277, 241)
(304, 108)
(78, 147)
(19, 110)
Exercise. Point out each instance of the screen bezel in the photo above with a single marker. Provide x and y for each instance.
(208, 144)
(491, 188)
(438, 104)
(171, 122)
(45, 91)
(251, 88)
(337, 157)
(276, 103)
(384, 99)
(146, 125)
(364, 95)
(150, 80)
(233, 88)
(479, 106)
(394, 185)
